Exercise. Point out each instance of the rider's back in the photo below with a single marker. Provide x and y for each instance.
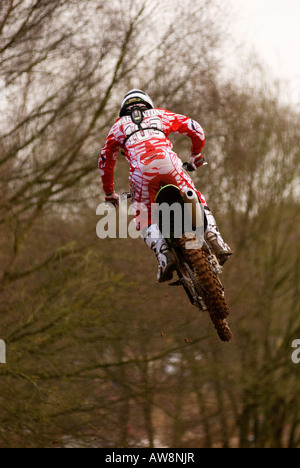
(152, 134)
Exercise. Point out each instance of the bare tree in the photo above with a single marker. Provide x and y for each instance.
(98, 354)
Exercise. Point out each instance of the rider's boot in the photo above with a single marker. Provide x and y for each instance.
(166, 262)
(215, 240)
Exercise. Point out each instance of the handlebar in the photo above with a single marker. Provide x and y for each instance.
(125, 195)
(188, 166)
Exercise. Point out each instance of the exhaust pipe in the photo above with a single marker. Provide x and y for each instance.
(193, 209)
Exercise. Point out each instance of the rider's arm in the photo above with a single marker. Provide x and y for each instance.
(107, 161)
(187, 126)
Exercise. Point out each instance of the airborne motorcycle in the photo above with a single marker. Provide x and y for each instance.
(198, 268)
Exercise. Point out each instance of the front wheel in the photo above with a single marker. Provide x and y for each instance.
(208, 287)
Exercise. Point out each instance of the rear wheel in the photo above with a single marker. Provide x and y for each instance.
(208, 287)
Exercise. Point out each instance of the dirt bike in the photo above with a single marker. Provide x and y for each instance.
(197, 268)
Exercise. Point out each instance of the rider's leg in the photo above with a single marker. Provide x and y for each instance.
(150, 231)
(212, 233)
(214, 238)
(155, 241)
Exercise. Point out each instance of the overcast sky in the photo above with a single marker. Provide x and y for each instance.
(272, 27)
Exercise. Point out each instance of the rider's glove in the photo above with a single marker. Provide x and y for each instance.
(197, 160)
(112, 198)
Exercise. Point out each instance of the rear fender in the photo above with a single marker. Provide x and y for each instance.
(169, 213)
(183, 213)
(169, 194)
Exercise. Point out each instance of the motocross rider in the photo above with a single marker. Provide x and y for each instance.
(141, 132)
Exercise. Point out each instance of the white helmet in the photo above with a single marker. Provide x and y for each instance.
(135, 96)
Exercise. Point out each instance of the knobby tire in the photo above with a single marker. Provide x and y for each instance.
(210, 287)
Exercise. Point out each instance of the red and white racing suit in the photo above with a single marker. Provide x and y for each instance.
(149, 152)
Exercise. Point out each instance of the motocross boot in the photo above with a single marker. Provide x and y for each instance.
(215, 240)
(165, 259)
